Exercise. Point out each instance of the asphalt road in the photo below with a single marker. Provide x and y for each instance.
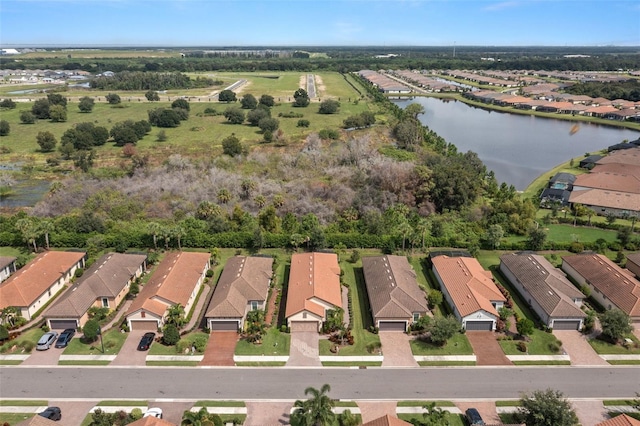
(289, 383)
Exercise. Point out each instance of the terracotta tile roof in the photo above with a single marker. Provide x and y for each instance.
(545, 283)
(6, 261)
(37, 421)
(172, 282)
(601, 109)
(392, 287)
(609, 181)
(604, 198)
(621, 420)
(107, 277)
(27, 284)
(243, 279)
(386, 420)
(313, 275)
(470, 286)
(619, 168)
(625, 156)
(617, 284)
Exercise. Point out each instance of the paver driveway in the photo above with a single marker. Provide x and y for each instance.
(486, 348)
(487, 410)
(590, 412)
(73, 412)
(263, 413)
(220, 348)
(396, 350)
(129, 353)
(304, 345)
(172, 411)
(48, 357)
(579, 350)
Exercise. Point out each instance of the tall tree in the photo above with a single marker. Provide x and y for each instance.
(47, 141)
(546, 408)
(301, 98)
(46, 226)
(615, 324)
(86, 104)
(29, 230)
(155, 229)
(317, 410)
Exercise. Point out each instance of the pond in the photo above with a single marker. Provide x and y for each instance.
(25, 193)
(518, 148)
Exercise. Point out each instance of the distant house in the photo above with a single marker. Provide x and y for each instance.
(470, 291)
(590, 161)
(104, 284)
(395, 297)
(608, 181)
(562, 181)
(605, 202)
(621, 420)
(633, 263)
(7, 267)
(550, 196)
(176, 280)
(546, 289)
(611, 285)
(242, 287)
(35, 284)
(314, 287)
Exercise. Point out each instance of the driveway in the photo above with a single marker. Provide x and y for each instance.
(579, 350)
(371, 410)
(172, 411)
(304, 350)
(487, 410)
(262, 413)
(48, 357)
(590, 412)
(129, 353)
(220, 348)
(73, 411)
(396, 350)
(486, 348)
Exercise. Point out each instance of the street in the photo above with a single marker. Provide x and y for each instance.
(289, 383)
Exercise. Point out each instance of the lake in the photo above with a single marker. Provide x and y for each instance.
(518, 148)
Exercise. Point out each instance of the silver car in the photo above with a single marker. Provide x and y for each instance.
(46, 340)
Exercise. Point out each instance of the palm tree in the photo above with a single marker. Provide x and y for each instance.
(260, 201)
(29, 231)
(175, 316)
(154, 229)
(224, 196)
(404, 229)
(200, 418)
(178, 232)
(422, 228)
(46, 227)
(317, 410)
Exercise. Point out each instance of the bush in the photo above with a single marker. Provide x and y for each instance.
(522, 346)
(5, 128)
(303, 123)
(79, 272)
(329, 134)
(136, 414)
(171, 335)
(4, 333)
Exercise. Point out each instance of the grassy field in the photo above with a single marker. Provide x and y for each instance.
(457, 345)
(112, 339)
(103, 53)
(605, 348)
(273, 343)
(540, 343)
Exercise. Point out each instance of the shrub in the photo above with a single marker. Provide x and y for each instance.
(136, 414)
(4, 333)
(329, 134)
(303, 123)
(555, 346)
(171, 335)
(79, 272)
(522, 346)
(45, 328)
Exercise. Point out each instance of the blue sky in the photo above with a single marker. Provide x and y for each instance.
(314, 22)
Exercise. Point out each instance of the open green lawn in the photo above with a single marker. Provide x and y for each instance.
(457, 345)
(454, 419)
(605, 348)
(564, 233)
(274, 343)
(354, 278)
(14, 418)
(23, 402)
(215, 403)
(31, 336)
(113, 340)
(160, 349)
(539, 343)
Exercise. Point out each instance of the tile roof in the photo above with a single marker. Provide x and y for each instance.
(313, 275)
(6, 261)
(172, 282)
(386, 420)
(243, 279)
(617, 284)
(392, 287)
(621, 420)
(619, 168)
(608, 181)
(37, 421)
(634, 257)
(107, 277)
(627, 156)
(470, 286)
(27, 284)
(604, 198)
(545, 283)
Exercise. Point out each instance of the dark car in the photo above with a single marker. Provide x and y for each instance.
(146, 341)
(52, 413)
(65, 337)
(473, 417)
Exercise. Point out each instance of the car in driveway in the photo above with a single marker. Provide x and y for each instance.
(153, 412)
(473, 417)
(52, 413)
(146, 341)
(65, 337)
(46, 340)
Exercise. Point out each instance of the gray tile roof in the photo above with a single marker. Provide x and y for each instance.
(6, 261)
(545, 283)
(392, 287)
(107, 277)
(244, 279)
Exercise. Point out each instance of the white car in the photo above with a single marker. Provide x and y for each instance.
(154, 412)
(46, 340)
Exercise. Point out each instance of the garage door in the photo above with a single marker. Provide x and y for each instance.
(479, 325)
(565, 325)
(224, 325)
(392, 326)
(144, 325)
(304, 326)
(62, 324)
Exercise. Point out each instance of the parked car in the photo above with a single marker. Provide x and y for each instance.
(52, 413)
(145, 342)
(154, 412)
(46, 340)
(65, 337)
(473, 417)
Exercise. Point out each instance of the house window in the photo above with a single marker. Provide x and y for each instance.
(416, 316)
(49, 292)
(105, 302)
(143, 314)
(254, 305)
(304, 315)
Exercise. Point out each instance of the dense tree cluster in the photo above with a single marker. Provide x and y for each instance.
(629, 89)
(129, 131)
(127, 80)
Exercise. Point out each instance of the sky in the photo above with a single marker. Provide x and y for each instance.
(319, 23)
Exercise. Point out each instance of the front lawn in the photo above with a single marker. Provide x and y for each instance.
(112, 339)
(457, 345)
(454, 419)
(14, 418)
(606, 348)
(539, 343)
(25, 342)
(274, 343)
(160, 349)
